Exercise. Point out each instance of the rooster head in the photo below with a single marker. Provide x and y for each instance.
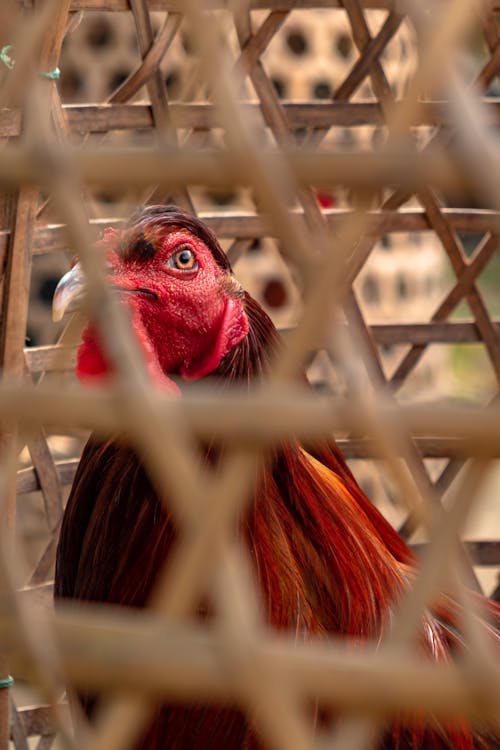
(187, 309)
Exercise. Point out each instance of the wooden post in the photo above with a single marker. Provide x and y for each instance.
(16, 283)
(15, 310)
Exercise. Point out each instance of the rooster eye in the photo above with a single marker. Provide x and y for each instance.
(183, 259)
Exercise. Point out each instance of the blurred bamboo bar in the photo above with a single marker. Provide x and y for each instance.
(220, 168)
(101, 649)
(244, 416)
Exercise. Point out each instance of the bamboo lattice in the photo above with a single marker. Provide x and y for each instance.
(52, 157)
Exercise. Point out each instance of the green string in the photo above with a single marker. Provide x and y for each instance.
(7, 682)
(52, 74)
(10, 63)
(5, 57)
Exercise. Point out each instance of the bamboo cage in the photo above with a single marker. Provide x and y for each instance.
(436, 172)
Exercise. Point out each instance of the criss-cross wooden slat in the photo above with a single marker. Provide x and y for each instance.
(381, 87)
(362, 37)
(457, 258)
(272, 110)
(470, 271)
(164, 129)
(371, 49)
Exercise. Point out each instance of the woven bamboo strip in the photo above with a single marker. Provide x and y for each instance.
(308, 417)
(185, 663)
(370, 170)
(95, 118)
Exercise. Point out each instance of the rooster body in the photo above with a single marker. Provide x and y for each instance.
(326, 561)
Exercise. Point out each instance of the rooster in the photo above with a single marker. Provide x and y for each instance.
(326, 560)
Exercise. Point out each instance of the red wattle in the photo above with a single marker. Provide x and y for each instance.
(92, 367)
(233, 329)
(91, 364)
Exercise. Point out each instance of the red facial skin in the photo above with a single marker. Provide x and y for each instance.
(184, 318)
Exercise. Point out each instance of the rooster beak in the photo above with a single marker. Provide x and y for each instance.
(70, 293)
